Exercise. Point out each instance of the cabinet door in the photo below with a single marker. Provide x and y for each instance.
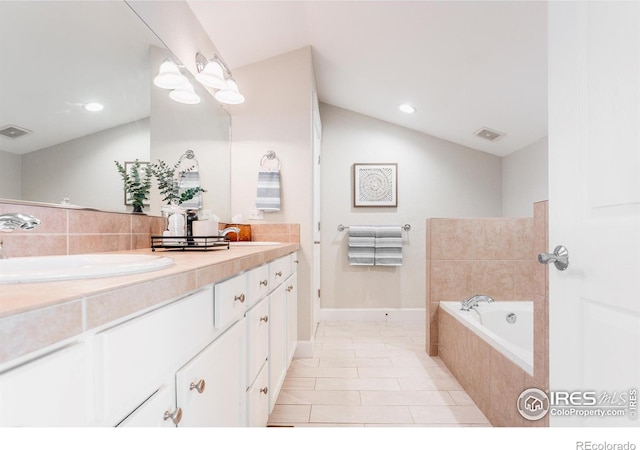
(52, 390)
(291, 295)
(277, 343)
(258, 399)
(279, 270)
(211, 388)
(157, 411)
(258, 324)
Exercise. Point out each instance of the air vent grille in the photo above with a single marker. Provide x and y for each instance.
(489, 134)
(13, 131)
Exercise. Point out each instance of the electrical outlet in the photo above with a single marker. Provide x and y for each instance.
(256, 214)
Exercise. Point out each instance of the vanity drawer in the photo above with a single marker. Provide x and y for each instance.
(230, 300)
(279, 270)
(135, 358)
(257, 338)
(258, 284)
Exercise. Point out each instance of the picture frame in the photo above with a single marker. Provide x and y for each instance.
(127, 167)
(375, 184)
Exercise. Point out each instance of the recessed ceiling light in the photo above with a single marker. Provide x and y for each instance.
(93, 107)
(406, 108)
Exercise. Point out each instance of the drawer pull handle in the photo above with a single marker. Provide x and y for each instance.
(289, 288)
(264, 283)
(279, 273)
(199, 386)
(175, 416)
(295, 261)
(264, 390)
(264, 319)
(239, 298)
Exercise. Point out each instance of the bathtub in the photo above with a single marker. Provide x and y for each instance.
(512, 338)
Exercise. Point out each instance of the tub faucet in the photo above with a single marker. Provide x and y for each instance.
(472, 302)
(11, 221)
(229, 230)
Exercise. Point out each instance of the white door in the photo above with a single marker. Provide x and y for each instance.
(594, 203)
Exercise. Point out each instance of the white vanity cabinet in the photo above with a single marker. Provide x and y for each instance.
(291, 300)
(60, 382)
(210, 389)
(134, 359)
(278, 363)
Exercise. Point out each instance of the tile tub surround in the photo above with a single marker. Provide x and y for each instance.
(492, 381)
(71, 231)
(462, 257)
(36, 315)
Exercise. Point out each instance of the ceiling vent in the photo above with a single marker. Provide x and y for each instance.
(489, 134)
(13, 131)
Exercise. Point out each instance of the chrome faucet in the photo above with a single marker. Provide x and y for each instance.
(11, 221)
(472, 302)
(229, 230)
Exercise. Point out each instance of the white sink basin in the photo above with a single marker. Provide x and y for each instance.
(252, 243)
(73, 267)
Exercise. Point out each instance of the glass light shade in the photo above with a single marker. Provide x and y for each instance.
(185, 94)
(169, 76)
(231, 95)
(212, 76)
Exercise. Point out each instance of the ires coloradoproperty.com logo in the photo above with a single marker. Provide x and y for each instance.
(534, 404)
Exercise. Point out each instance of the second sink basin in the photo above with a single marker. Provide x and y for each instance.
(251, 243)
(73, 267)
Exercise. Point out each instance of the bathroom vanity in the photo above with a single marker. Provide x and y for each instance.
(206, 342)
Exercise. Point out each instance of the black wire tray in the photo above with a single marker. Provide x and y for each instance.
(201, 243)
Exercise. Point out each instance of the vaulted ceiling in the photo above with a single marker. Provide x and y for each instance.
(463, 65)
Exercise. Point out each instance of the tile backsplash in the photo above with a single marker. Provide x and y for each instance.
(67, 231)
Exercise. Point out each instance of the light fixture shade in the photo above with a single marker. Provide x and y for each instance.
(212, 76)
(231, 95)
(185, 94)
(169, 76)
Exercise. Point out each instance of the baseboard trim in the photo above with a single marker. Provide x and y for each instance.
(396, 315)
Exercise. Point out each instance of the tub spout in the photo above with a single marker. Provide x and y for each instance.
(472, 302)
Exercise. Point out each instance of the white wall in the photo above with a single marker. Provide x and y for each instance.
(50, 174)
(10, 175)
(525, 179)
(277, 115)
(436, 178)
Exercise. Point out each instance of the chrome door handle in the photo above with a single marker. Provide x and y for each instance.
(279, 273)
(264, 390)
(239, 298)
(264, 283)
(559, 257)
(264, 319)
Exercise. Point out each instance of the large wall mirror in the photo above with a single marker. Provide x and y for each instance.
(59, 56)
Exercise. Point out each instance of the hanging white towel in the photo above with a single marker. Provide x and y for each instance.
(388, 246)
(268, 198)
(361, 249)
(189, 180)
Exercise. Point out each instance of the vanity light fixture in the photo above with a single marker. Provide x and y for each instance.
(407, 108)
(169, 75)
(185, 94)
(215, 74)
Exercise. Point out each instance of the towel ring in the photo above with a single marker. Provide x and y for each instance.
(270, 156)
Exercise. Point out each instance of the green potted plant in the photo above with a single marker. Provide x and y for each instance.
(168, 184)
(137, 183)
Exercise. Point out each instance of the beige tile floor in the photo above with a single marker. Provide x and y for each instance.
(365, 374)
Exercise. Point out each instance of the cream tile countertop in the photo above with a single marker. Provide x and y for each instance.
(35, 315)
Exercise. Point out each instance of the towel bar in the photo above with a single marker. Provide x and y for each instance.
(405, 227)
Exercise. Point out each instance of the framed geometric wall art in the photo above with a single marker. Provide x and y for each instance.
(375, 184)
